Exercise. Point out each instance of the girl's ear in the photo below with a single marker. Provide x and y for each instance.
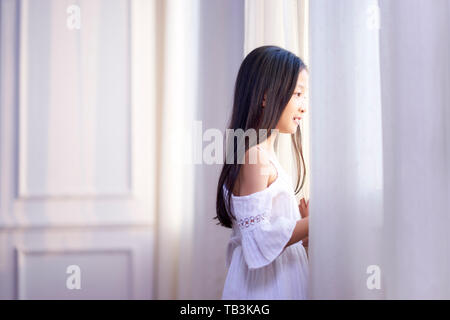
(264, 100)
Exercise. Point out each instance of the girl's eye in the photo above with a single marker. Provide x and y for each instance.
(298, 94)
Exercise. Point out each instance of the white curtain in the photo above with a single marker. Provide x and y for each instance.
(415, 71)
(175, 72)
(380, 149)
(198, 50)
(284, 24)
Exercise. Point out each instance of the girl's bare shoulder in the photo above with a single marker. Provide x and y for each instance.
(256, 173)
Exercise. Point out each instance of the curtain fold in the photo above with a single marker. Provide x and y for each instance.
(380, 149)
(175, 71)
(415, 77)
(199, 49)
(346, 189)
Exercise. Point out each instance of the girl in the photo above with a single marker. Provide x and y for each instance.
(266, 257)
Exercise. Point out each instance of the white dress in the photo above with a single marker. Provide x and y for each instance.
(258, 268)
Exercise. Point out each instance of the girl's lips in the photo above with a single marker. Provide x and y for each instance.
(297, 120)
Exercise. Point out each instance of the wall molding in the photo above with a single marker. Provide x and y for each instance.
(21, 253)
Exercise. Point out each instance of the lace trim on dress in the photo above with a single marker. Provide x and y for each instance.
(250, 221)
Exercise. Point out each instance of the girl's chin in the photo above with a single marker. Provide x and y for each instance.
(294, 129)
(289, 130)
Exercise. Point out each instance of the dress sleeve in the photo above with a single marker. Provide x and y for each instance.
(265, 231)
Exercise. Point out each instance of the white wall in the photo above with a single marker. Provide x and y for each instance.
(74, 179)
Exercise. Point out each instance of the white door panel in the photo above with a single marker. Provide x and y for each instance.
(76, 144)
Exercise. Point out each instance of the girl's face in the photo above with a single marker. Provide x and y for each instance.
(296, 107)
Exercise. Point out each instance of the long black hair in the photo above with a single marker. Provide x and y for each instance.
(268, 70)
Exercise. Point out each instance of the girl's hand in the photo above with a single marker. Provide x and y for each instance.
(304, 208)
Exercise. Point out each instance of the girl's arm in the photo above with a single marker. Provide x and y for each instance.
(300, 231)
(304, 212)
(255, 177)
(305, 244)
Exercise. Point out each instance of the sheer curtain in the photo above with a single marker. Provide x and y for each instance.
(174, 74)
(197, 51)
(415, 78)
(380, 149)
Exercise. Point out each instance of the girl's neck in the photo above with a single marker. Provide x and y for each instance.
(269, 143)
